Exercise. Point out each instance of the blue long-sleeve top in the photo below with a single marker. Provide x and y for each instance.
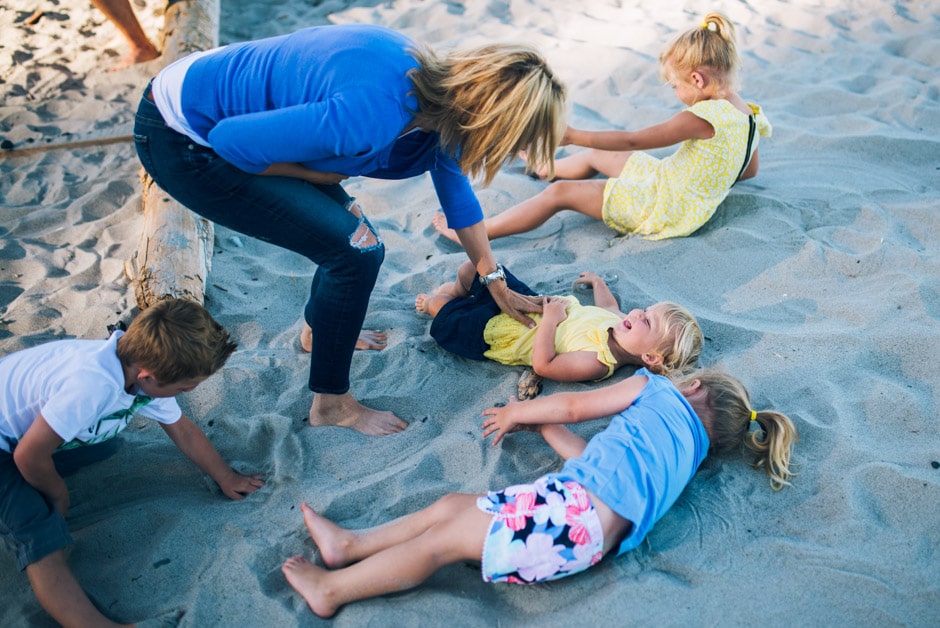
(330, 98)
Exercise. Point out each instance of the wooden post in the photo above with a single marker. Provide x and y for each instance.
(174, 253)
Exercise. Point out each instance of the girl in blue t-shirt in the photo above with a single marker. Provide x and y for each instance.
(606, 497)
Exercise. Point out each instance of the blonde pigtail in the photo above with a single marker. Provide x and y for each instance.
(772, 445)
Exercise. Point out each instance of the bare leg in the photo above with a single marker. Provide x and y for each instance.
(345, 411)
(586, 197)
(591, 162)
(447, 292)
(60, 595)
(405, 561)
(374, 339)
(121, 14)
(340, 547)
(586, 164)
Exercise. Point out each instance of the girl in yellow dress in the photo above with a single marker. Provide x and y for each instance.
(570, 342)
(717, 135)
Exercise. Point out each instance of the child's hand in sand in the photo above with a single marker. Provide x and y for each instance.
(588, 278)
(236, 486)
(499, 421)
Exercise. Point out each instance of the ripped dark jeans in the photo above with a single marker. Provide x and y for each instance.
(313, 220)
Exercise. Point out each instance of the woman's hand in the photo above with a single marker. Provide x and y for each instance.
(514, 304)
(296, 171)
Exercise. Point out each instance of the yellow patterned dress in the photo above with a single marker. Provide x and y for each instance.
(585, 329)
(674, 196)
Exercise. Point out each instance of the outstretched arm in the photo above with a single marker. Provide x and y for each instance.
(679, 128)
(562, 408)
(296, 171)
(193, 442)
(603, 297)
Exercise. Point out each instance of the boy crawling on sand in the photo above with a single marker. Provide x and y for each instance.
(68, 394)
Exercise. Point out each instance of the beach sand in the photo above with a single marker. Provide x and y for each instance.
(818, 283)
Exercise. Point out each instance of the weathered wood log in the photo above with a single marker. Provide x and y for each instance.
(174, 253)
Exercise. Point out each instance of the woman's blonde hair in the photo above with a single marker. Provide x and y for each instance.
(682, 340)
(489, 103)
(177, 340)
(731, 416)
(711, 45)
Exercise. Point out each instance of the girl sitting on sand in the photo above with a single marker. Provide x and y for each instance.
(570, 342)
(605, 498)
(658, 198)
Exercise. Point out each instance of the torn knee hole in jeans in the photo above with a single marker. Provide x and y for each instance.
(364, 237)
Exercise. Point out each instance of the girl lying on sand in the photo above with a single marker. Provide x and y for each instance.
(570, 342)
(605, 498)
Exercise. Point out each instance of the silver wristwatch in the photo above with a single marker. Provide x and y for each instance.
(496, 275)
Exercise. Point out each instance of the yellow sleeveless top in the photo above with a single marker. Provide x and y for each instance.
(585, 329)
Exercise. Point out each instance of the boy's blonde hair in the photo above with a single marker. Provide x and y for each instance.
(682, 340)
(490, 103)
(177, 340)
(731, 418)
(711, 45)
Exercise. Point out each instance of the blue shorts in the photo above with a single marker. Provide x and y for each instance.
(541, 531)
(30, 526)
(459, 325)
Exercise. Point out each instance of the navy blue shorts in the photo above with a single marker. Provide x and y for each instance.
(30, 526)
(459, 325)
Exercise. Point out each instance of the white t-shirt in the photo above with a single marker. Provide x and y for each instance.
(78, 387)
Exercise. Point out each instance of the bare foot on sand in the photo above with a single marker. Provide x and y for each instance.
(421, 303)
(135, 56)
(332, 540)
(440, 223)
(344, 411)
(374, 339)
(305, 578)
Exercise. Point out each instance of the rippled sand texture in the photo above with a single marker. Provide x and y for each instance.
(817, 283)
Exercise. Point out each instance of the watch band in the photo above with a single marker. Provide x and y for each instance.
(496, 275)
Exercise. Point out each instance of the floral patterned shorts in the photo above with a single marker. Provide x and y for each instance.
(541, 531)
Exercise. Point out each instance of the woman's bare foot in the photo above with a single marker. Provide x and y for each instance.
(374, 339)
(306, 579)
(332, 540)
(440, 223)
(344, 411)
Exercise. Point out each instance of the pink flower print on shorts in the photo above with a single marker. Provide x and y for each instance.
(540, 532)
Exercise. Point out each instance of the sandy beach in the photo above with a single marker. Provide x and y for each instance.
(817, 283)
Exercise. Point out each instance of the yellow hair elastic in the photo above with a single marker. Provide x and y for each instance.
(753, 415)
(705, 25)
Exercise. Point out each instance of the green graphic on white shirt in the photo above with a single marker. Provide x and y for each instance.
(109, 426)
